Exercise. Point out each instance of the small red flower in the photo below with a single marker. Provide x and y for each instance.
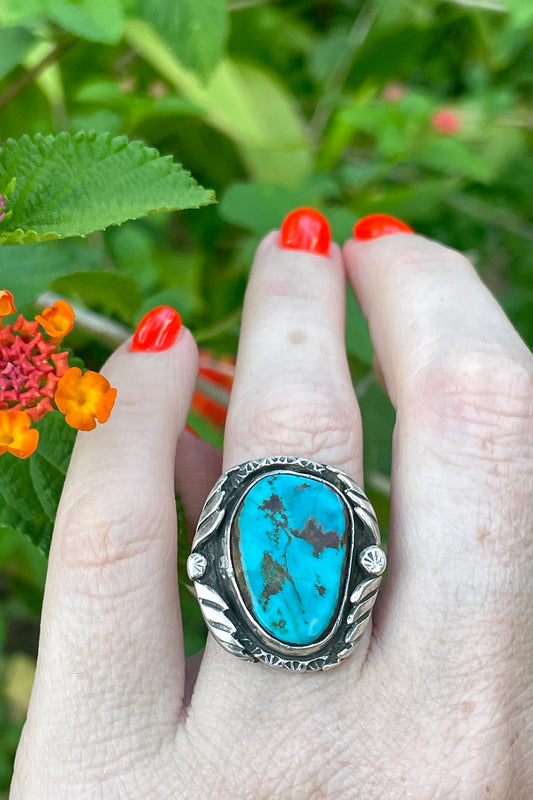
(394, 91)
(446, 121)
(36, 379)
(30, 368)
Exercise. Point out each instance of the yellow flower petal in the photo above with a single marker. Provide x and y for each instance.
(16, 436)
(7, 303)
(57, 320)
(84, 398)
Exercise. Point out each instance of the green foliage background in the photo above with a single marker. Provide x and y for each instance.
(272, 105)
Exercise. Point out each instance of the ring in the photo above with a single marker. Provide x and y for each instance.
(286, 563)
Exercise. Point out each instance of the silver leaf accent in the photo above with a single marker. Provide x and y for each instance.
(214, 610)
(208, 523)
(364, 589)
(357, 630)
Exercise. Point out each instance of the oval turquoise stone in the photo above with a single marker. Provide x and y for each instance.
(289, 546)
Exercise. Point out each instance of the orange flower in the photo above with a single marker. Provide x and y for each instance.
(215, 379)
(7, 303)
(57, 320)
(84, 397)
(16, 436)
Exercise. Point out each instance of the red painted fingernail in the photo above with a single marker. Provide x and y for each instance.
(305, 229)
(158, 330)
(191, 430)
(376, 225)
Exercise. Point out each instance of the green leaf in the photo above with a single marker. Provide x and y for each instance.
(132, 249)
(194, 628)
(115, 293)
(260, 207)
(29, 271)
(378, 422)
(449, 155)
(101, 121)
(341, 221)
(31, 487)
(56, 441)
(96, 20)
(357, 336)
(48, 483)
(21, 508)
(14, 45)
(521, 12)
(196, 32)
(73, 185)
(206, 430)
(417, 203)
(101, 91)
(49, 80)
(186, 301)
(121, 110)
(21, 559)
(242, 102)
(13, 11)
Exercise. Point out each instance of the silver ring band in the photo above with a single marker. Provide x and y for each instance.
(286, 563)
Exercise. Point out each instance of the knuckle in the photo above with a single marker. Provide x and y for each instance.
(103, 529)
(474, 414)
(322, 427)
(488, 395)
(427, 256)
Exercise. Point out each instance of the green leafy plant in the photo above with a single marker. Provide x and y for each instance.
(59, 186)
(422, 110)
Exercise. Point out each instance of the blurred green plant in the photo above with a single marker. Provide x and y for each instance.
(419, 109)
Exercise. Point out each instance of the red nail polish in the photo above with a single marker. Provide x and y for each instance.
(305, 229)
(158, 330)
(376, 225)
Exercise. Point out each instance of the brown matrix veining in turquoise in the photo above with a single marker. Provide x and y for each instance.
(289, 549)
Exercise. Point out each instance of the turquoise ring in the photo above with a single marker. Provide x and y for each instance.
(286, 563)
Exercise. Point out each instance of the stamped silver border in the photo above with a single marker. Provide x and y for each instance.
(210, 568)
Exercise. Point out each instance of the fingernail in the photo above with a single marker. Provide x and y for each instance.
(376, 225)
(305, 229)
(158, 330)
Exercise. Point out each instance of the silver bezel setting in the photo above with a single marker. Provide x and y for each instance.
(211, 569)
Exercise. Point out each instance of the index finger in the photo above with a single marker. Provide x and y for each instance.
(111, 628)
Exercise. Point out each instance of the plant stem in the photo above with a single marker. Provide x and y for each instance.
(114, 333)
(223, 326)
(106, 330)
(239, 5)
(484, 212)
(29, 76)
(486, 5)
(333, 86)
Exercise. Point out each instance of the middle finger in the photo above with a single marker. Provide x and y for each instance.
(292, 395)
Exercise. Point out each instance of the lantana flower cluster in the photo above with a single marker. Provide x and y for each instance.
(35, 378)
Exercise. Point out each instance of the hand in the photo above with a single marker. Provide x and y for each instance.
(436, 702)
